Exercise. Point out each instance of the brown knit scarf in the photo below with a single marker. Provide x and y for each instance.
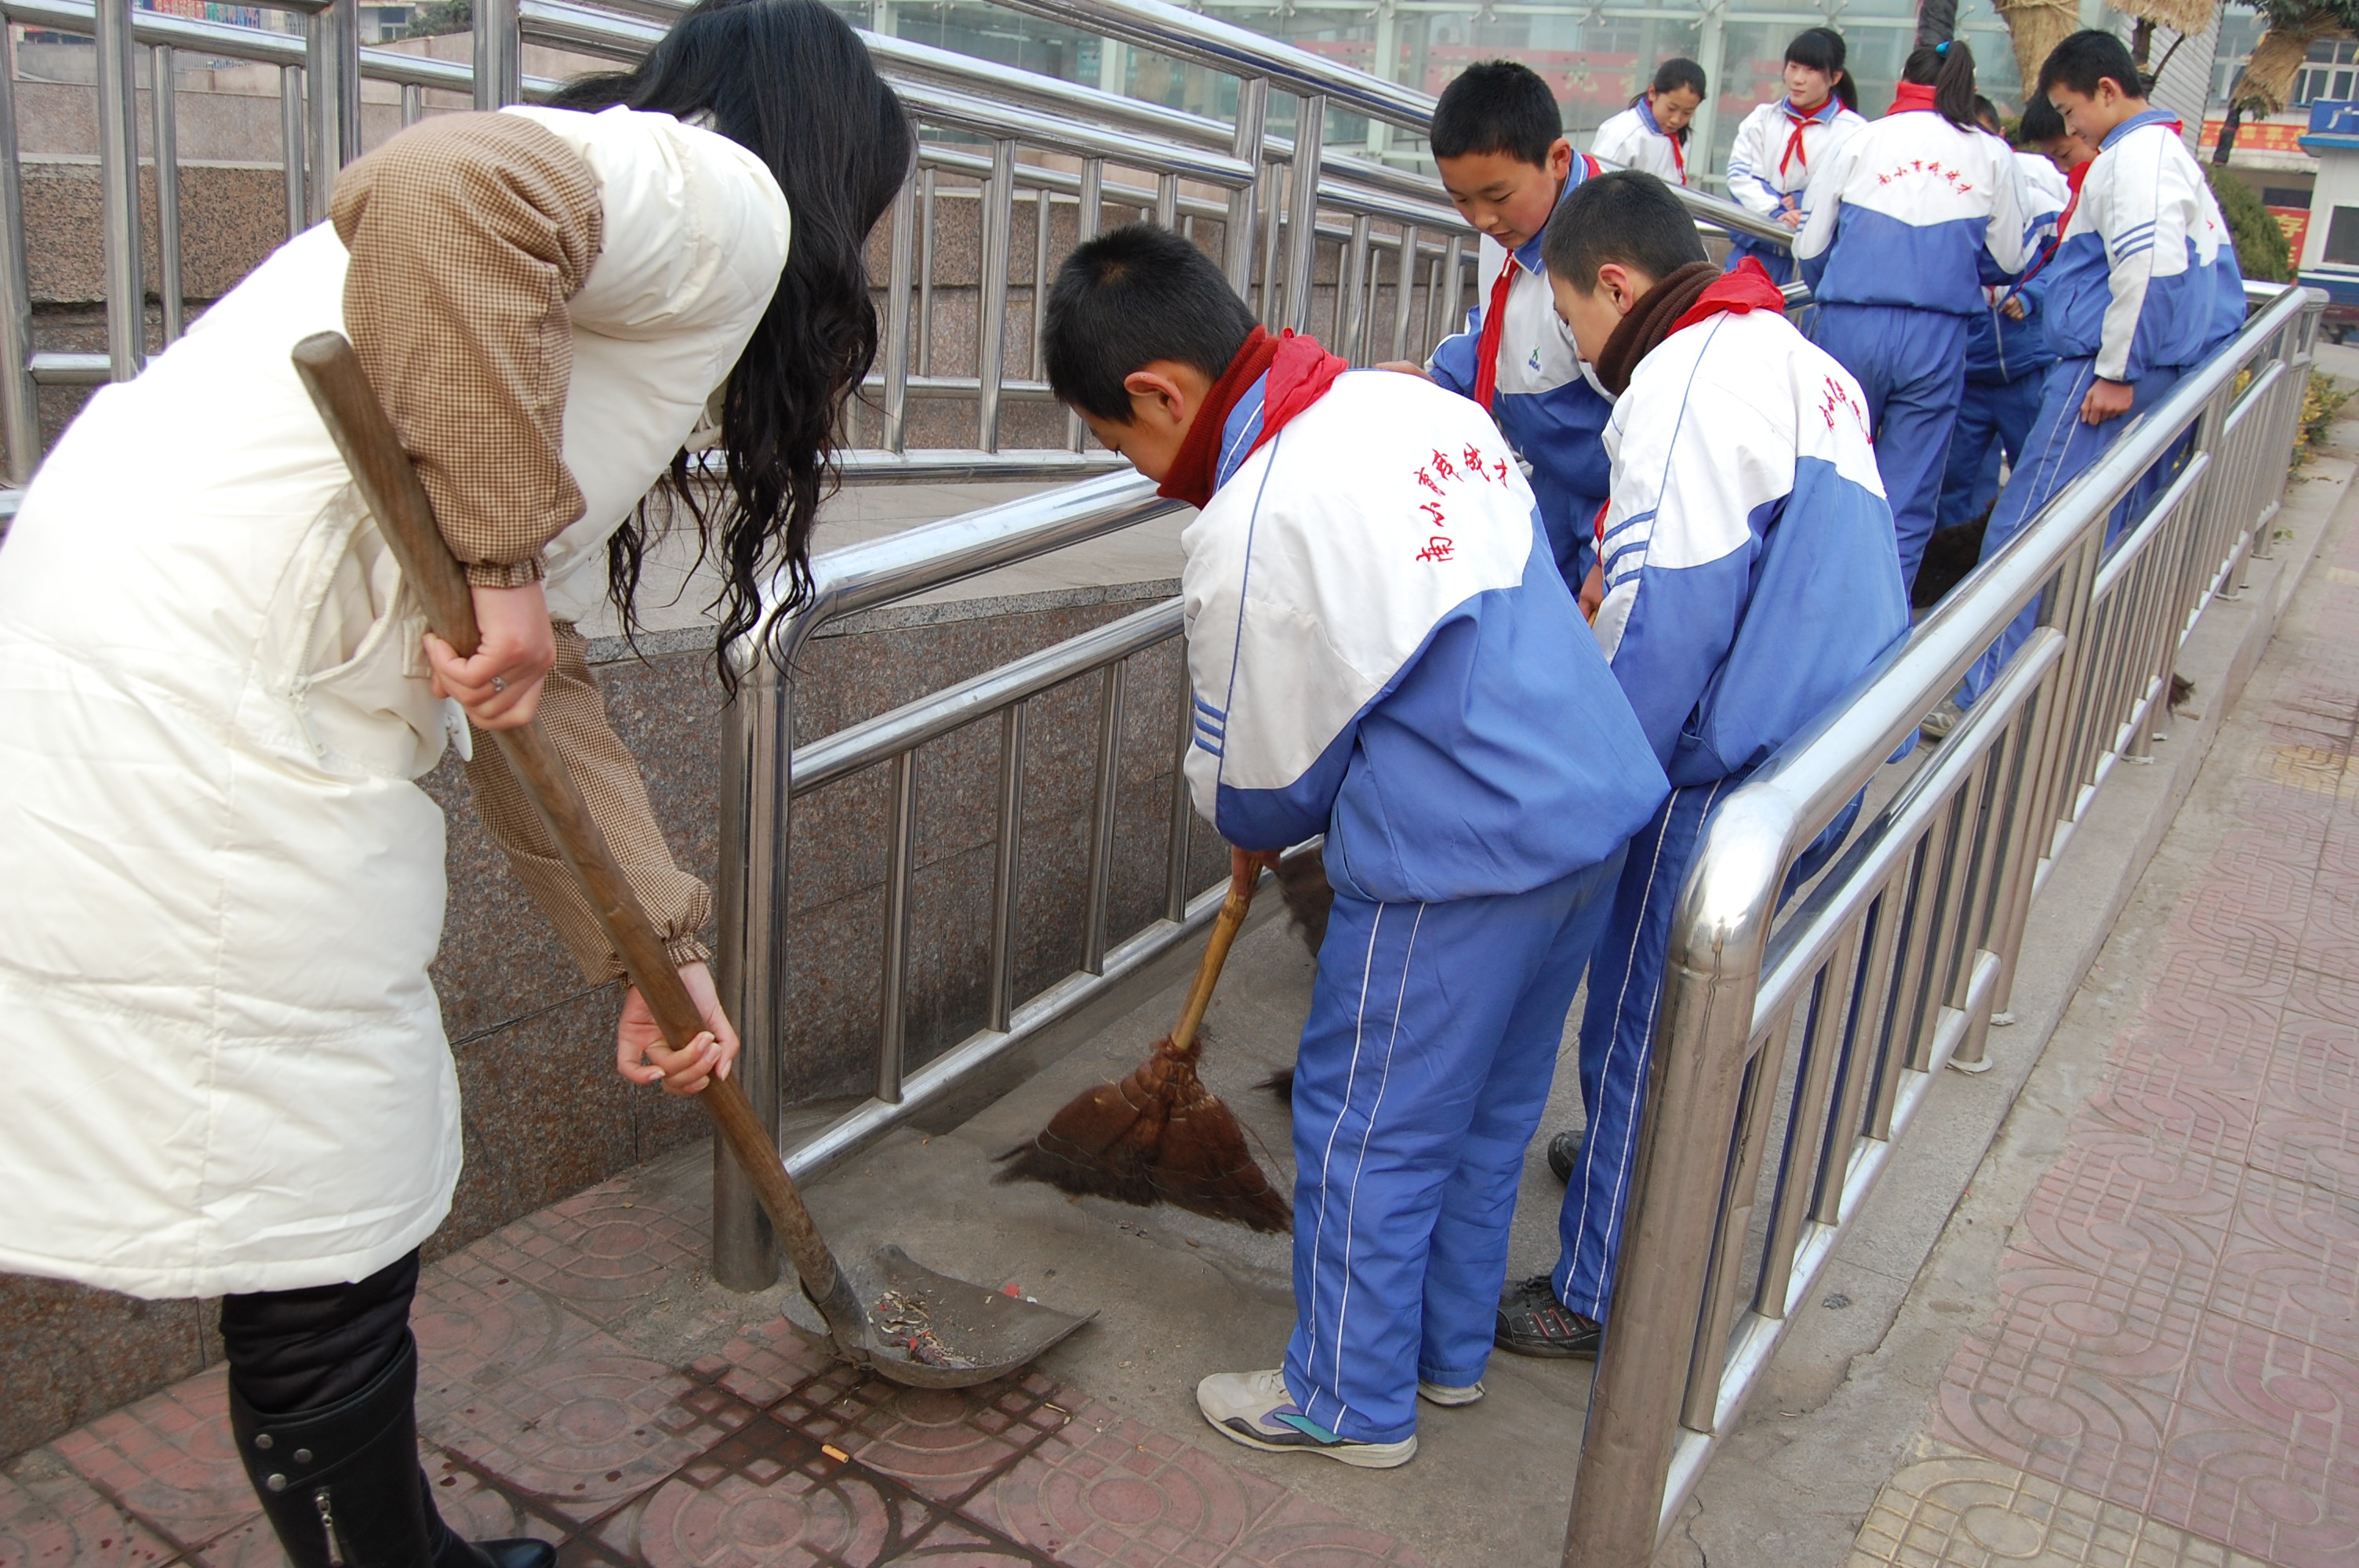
(1649, 322)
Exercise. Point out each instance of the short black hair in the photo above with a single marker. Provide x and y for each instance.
(1128, 299)
(2087, 58)
(1628, 218)
(2041, 124)
(1986, 114)
(1497, 106)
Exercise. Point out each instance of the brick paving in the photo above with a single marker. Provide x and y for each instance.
(547, 1408)
(2172, 1375)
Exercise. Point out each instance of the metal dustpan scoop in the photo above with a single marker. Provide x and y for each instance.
(927, 1330)
(907, 1322)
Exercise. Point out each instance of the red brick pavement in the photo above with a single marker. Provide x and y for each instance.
(544, 1411)
(2179, 1328)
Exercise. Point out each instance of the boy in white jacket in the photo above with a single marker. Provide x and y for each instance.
(1374, 622)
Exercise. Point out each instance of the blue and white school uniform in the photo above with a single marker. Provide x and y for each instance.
(1750, 580)
(1632, 140)
(1909, 220)
(2143, 285)
(1777, 151)
(1373, 624)
(2006, 367)
(1545, 403)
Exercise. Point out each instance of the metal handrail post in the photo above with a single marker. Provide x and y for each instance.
(899, 286)
(991, 306)
(118, 164)
(499, 54)
(1303, 214)
(332, 74)
(20, 406)
(290, 146)
(1237, 246)
(750, 958)
(161, 102)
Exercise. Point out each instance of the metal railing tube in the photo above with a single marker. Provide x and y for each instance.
(1006, 887)
(1112, 694)
(118, 164)
(1303, 214)
(991, 309)
(499, 54)
(753, 909)
(332, 73)
(900, 866)
(20, 395)
(165, 137)
(1726, 980)
(1237, 237)
(897, 287)
(290, 146)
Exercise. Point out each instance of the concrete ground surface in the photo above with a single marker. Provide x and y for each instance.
(2103, 1309)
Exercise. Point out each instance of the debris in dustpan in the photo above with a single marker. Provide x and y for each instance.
(904, 1318)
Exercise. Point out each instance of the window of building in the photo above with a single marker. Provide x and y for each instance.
(2327, 73)
(2342, 238)
(2285, 196)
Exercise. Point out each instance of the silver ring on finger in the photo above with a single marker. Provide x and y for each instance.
(499, 682)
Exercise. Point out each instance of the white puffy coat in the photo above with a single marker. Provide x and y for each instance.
(224, 1065)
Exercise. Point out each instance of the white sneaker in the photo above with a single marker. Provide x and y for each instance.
(1445, 1395)
(1254, 1409)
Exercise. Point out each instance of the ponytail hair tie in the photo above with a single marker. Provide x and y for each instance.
(1942, 48)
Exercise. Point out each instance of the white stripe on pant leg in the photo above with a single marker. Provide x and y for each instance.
(1327, 1155)
(1614, 1040)
(1630, 1123)
(2069, 417)
(1352, 1205)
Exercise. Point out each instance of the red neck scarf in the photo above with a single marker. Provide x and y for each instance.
(1300, 374)
(1908, 97)
(1795, 147)
(1746, 288)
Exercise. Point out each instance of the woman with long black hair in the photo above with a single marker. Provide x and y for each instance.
(225, 887)
(1782, 143)
(1909, 220)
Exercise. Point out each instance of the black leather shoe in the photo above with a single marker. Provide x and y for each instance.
(342, 1488)
(1563, 1150)
(1532, 1322)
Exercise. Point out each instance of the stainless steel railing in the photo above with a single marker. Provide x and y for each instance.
(1898, 961)
(1017, 151)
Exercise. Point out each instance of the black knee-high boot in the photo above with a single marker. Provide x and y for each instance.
(343, 1487)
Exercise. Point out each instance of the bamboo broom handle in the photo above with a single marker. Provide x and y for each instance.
(389, 482)
(1244, 874)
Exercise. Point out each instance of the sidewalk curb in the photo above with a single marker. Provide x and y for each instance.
(1848, 1393)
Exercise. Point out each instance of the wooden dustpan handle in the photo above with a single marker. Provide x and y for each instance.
(1244, 874)
(389, 482)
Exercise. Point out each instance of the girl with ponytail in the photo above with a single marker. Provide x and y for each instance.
(1908, 221)
(1652, 132)
(1782, 145)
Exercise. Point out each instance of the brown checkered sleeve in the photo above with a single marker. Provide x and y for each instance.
(468, 233)
(575, 718)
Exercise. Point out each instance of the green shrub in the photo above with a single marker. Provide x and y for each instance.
(2262, 253)
(2321, 405)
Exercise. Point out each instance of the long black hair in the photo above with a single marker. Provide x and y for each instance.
(1821, 49)
(1949, 69)
(790, 82)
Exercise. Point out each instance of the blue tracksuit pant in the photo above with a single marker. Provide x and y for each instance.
(1912, 366)
(1995, 418)
(2059, 450)
(1432, 1039)
(1778, 261)
(1617, 1027)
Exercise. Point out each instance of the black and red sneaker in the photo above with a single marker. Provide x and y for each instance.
(1532, 1322)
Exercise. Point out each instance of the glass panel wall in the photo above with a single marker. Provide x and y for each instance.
(1595, 55)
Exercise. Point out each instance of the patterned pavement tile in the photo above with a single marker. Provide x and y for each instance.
(1954, 1509)
(955, 1544)
(942, 1444)
(2126, 1206)
(167, 1460)
(2312, 1296)
(51, 1518)
(2134, 1330)
(1300, 1534)
(1107, 1489)
(2235, 1484)
(602, 1251)
(764, 1363)
(478, 1326)
(586, 1431)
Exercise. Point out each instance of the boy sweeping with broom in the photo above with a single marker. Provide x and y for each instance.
(1382, 650)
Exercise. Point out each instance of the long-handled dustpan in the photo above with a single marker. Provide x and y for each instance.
(909, 1323)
